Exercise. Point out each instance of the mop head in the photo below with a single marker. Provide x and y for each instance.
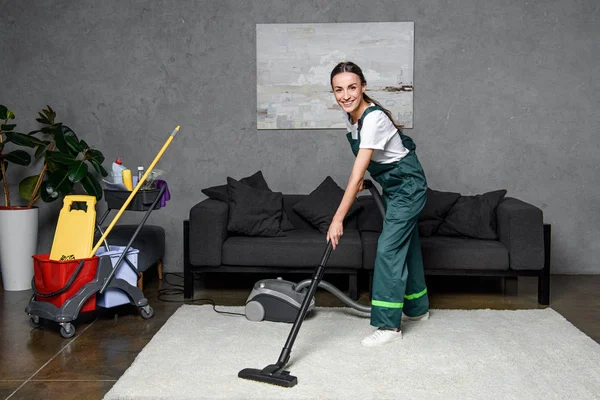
(272, 374)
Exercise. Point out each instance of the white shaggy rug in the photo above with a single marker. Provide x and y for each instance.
(471, 354)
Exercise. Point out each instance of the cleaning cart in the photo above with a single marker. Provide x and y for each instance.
(65, 283)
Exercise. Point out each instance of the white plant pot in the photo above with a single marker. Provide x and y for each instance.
(18, 242)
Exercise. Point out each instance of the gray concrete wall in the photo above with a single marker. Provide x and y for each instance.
(506, 96)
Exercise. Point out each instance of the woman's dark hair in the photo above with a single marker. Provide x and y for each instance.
(349, 66)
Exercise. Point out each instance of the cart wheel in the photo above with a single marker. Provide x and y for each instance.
(34, 321)
(147, 312)
(67, 330)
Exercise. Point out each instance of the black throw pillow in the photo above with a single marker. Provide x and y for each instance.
(321, 204)
(437, 205)
(253, 212)
(473, 216)
(428, 227)
(256, 181)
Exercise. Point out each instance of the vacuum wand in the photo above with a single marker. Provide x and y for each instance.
(275, 373)
(318, 275)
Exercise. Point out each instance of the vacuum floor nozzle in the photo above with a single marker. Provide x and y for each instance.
(272, 374)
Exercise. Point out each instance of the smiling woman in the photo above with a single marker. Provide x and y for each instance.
(389, 156)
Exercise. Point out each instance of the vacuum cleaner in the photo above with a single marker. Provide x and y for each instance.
(279, 300)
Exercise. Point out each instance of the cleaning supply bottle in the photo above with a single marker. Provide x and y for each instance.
(127, 181)
(117, 170)
(140, 173)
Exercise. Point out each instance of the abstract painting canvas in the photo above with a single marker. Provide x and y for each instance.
(294, 62)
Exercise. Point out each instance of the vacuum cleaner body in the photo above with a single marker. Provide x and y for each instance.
(275, 300)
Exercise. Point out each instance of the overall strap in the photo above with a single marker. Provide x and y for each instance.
(365, 113)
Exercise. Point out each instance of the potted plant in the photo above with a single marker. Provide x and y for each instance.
(66, 163)
(18, 224)
(64, 171)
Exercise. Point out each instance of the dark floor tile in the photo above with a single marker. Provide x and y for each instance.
(8, 387)
(63, 390)
(24, 349)
(109, 348)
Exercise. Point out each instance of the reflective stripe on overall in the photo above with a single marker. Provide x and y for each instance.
(398, 277)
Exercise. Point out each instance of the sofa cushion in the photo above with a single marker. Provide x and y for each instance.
(299, 248)
(473, 216)
(450, 253)
(253, 212)
(321, 204)
(436, 207)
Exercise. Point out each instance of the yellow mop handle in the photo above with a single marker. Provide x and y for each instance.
(133, 193)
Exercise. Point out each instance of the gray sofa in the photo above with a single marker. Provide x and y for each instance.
(522, 247)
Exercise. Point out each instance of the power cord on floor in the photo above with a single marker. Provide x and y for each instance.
(177, 290)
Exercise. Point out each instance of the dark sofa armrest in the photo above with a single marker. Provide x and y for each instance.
(520, 227)
(208, 231)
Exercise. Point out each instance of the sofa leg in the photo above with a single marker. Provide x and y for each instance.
(544, 277)
(353, 286)
(188, 274)
(511, 285)
(160, 267)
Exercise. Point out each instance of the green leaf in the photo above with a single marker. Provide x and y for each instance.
(67, 131)
(42, 119)
(98, 167)
(20, 157)
(60, 181)
(24, 140)
(8, 127)
(91, 186)
(75, 146)
(3, 112)
(41, 150)
(10, 114)
(61, 143)
(50, 114)
(95, 155)
(60, 158)
(27, 185)
(48, 193)
(78, 171)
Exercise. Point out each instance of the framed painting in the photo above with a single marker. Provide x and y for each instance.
(294, 62)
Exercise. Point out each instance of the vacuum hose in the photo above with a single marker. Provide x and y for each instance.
(367, 184)
(336, 292)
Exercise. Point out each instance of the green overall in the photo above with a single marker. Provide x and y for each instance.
(398, 278)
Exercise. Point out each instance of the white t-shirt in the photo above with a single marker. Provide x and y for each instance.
(379, 133)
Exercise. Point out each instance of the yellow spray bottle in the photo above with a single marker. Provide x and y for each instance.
(127, 180)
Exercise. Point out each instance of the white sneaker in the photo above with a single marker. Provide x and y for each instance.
(423, 317)
(381, 336)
